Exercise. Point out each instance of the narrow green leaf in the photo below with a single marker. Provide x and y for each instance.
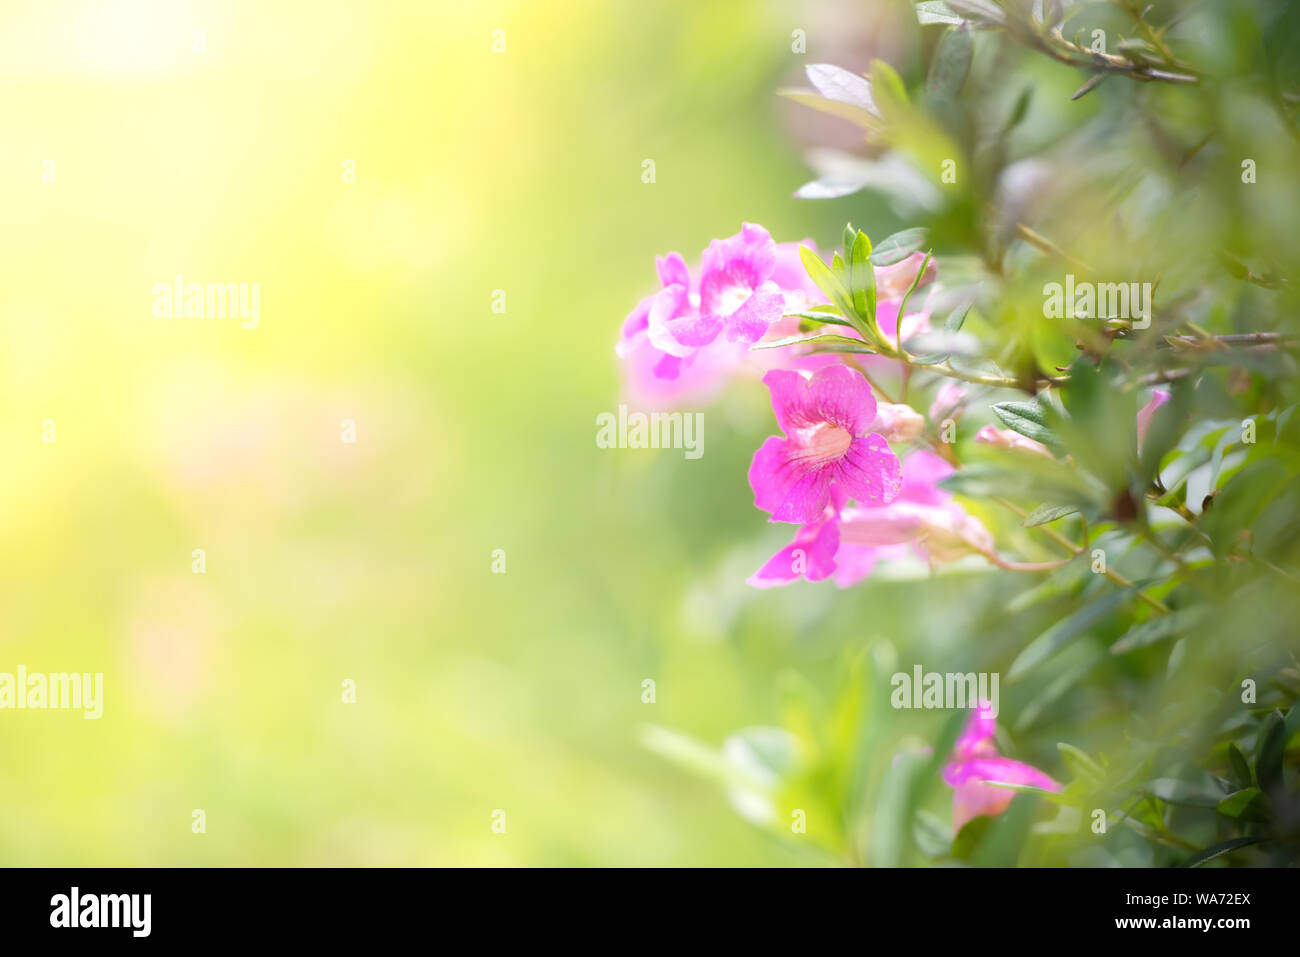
(1064, 631)
(1082, 767)
(1180, 793)
(897, 247)
(1048, 513)
(902, 306)
(1236, 804)
(1270, 744)
(1218, 850)
(1158, 629)
(863, 278)
(826, 280)
(957, 317)
(1241, 775)
(951, 63)
(1027, 418)
(824, 339)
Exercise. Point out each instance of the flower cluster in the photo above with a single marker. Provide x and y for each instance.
(850, 470)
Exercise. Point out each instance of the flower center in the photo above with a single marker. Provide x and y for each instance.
(825, 443)
(733, 299)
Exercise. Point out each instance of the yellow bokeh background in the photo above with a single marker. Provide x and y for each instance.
(148, 139)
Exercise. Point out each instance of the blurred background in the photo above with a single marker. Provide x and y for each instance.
(219, 141)
(208, 139)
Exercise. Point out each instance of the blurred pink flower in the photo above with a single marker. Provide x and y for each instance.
(892, 282)
(1007, 439)
(975, 761)
(1158, 398)
(949, 402)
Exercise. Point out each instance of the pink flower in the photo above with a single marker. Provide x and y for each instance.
(747, 283)
(660, 377)
(846, 543)
(1158, 398)
(898, 422)
(949, 402)
(737, 293)
(825, 419)
(975, 762)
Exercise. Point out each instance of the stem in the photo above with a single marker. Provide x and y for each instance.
(1110, 573)
(1053, 44)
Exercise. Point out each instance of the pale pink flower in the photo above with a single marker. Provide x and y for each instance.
(898, 422)
(1008, 439)
(949, 402)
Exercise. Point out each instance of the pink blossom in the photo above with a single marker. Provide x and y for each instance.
(737, 293)
(656, 377)
(975, 762)
(898, 422)
(825, 419)
(1158, 398)
(949, 402)
(847, 542)
(671, 344)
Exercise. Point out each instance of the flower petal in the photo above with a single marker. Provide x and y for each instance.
(870, 470)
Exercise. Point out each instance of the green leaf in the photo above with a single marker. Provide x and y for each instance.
(969, 837)
(826, 280)
(890, 825)
(888, 88)
(862, 278)
(1270, 744)
(1241, 775)
(1064, 631)
(951, 64)
(1180, 793)
(1020, 109)
(931, 835)
(1027, 418)
(1048, 513)
(812, 320)
(1082, 767)
(825, 339)
(1158, 629)
(957, 317)
(845, 111)
(1218, 850)
(902, 306)
(897, 247)
(1237, 803)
